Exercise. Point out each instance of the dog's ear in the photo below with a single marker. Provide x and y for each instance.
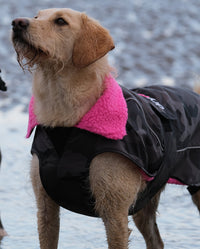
(93, 43)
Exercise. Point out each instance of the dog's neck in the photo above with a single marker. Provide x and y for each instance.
(63, 97)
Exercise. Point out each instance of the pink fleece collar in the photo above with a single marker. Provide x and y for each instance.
(107, 117)
(32, 121)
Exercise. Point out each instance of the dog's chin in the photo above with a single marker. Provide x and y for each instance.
(27, 54)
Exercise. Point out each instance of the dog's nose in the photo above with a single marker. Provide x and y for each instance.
(20, 24)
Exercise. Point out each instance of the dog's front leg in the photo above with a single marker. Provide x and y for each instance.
(48, 211)
(115, 182)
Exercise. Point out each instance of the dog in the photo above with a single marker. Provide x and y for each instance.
(91, 152)
(2, 88)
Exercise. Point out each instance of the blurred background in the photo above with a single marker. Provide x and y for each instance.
(156, 42)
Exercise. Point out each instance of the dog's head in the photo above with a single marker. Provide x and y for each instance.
(63, 35)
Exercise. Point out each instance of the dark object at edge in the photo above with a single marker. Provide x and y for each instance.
(3, 86)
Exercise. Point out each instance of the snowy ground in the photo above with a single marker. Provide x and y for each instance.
(156, 42)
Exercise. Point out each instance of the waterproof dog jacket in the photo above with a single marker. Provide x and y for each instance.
(162, 138)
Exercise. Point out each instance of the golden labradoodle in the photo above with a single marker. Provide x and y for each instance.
(100, 149)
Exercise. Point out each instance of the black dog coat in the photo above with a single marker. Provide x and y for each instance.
(163, 139)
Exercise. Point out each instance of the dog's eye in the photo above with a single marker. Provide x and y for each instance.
(60, 21)
(35, 17)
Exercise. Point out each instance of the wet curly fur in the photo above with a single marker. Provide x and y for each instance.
(67, 50)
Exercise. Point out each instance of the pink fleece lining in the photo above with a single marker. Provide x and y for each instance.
(32, 121)
(171, 180)
(109, 115)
